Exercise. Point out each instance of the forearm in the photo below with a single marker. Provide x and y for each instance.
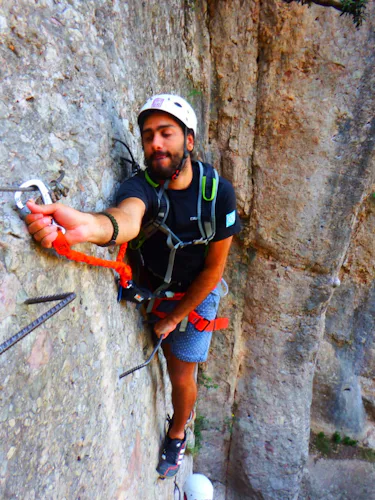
(101, 228)
(204, 283)
(83, 227)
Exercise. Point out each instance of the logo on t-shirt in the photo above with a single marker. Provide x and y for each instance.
(231, 218)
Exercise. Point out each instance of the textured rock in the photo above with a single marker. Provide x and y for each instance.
(284, 96)
(311, 172)
(73, 76)
(346, 479)
(345, 370)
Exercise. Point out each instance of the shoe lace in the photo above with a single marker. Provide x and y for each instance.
(172, 449)
(169, 420)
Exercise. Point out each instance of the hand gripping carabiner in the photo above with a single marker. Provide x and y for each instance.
(45, 194)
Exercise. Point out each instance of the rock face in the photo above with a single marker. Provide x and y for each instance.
(284, 97)
(310, 159)
(73, 75)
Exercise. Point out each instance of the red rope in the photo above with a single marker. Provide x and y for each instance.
(62, 248)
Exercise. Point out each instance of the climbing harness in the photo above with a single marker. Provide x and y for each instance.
(132, 370)
(199, 322)
(206, 203)
(206, 220)
(65, 298)
(208, 185)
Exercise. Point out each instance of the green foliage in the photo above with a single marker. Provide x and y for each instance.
(336, 438)
(322, 443)
(229, 421)
(335, 447)
(206, 381)
(348, 441)
(356, 9)
(199, 425)
(368, 455)
(195, 93)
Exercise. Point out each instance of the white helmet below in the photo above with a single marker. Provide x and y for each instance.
(198, 487)
(175, 106)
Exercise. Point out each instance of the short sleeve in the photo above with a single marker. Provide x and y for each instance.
(135, 187)
(227, 218)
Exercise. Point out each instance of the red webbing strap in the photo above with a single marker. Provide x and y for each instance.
(62, 248)
(206, 325)
(200, 323)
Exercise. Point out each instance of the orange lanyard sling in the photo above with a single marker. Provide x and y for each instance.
(62, 248)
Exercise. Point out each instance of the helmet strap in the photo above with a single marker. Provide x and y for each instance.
(184, 158)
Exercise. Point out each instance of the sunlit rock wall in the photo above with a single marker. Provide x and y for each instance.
(284, 97)
(312, 171)
(298, 139)
(73, 75)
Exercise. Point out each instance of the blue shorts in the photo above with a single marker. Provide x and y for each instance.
(192, 345)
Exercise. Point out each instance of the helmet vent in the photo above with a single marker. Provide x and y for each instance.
(178, 104)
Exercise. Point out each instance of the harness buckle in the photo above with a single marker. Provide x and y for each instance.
(45, 194)
(198, 324)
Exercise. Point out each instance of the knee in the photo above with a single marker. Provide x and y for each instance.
(181, 376)
(182, 380)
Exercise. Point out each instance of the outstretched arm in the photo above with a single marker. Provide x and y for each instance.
(84, 227)
(204, 283)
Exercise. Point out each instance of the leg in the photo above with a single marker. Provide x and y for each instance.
(184, 391)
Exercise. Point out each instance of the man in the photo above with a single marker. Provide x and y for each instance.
(168, 128)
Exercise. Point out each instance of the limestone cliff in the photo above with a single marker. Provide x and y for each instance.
(284, 97)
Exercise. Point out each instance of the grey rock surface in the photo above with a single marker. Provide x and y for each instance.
(284, 97)
(339, 479)
(73, 75)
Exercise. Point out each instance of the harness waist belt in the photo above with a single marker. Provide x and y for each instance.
(199, 322)
(206, 325)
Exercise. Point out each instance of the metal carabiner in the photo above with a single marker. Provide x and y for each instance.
(45, 194)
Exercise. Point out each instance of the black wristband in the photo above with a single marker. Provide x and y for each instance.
(112, 241)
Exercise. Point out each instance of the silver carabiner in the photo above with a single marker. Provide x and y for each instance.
(45, 194)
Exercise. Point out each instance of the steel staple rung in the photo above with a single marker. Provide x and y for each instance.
(37, 322)
(47, 298)
(132, 370)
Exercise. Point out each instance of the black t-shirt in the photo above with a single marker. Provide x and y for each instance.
(182, 220)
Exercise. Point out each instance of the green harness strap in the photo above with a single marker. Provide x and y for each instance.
(206, 219)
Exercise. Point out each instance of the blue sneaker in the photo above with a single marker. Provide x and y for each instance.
(172, 456)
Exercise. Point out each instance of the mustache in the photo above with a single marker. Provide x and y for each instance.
(157, 154)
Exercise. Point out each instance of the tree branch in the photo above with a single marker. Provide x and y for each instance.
(336, 4)
(354, 8)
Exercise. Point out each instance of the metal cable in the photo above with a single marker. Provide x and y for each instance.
(66, 299)
(56, 183)
(15, 189)
(176, 489)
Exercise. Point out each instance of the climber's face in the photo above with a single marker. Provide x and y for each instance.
(163, 144)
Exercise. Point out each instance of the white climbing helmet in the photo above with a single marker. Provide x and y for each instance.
(175, 106)
(198, 487)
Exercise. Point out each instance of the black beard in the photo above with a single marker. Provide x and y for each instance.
(164, 173)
